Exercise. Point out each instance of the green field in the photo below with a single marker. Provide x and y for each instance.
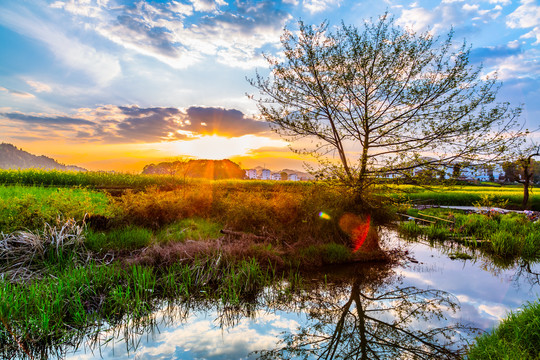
(465, 195)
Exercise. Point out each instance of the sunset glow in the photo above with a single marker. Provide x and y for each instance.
(215, 147)
(169, 80)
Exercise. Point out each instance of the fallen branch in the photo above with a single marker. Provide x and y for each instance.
(415, 218)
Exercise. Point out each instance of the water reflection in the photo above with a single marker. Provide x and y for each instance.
(423, 309)
(363, 319)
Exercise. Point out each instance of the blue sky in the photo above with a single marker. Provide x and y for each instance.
(100, 83)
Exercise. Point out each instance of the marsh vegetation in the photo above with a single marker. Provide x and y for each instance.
(77, 260)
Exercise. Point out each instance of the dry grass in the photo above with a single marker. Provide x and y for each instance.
(24, 255)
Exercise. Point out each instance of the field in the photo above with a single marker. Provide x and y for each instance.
(466, 195)
(107, 246)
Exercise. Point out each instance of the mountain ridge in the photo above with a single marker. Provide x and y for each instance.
(12, 157)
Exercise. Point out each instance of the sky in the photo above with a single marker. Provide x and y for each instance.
(116, 85)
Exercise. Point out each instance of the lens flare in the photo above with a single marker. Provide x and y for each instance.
(357, 228)
(324, 216)
(359, 234)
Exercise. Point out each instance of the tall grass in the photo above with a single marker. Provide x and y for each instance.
(51, 311)
(128, 238)
(516, 337)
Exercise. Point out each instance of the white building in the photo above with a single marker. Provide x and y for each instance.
(276, 176)
(293, 177)
(251, 173)
(266, 174)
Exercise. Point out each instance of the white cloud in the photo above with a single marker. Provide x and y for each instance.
(495, 311)
(534, 33)
(86, 8)
(448, 13)
(207, 5)
(39, 86)
(520, 66)
(168, 34)
(502, 2)
(101, 67)
(527, 15)
(316, 6)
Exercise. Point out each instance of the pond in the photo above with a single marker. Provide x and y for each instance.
(428, 306)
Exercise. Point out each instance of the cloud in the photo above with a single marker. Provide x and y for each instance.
(523, 65)
(132, 124)
(39, 86)
(206, 5)
(45, 120)
(445, 15)
(181, 35)
(527, 15)
(229, 123)
(317, 6)
(101, 67)
(17, 93)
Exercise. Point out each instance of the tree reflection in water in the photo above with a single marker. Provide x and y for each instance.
(362, 312)
(371, 317)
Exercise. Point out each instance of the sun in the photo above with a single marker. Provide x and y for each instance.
(215, 147)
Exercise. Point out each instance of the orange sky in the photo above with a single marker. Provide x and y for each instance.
(133, 157)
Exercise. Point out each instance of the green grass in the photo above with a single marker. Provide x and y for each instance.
(189, 229)
(516, 337)
(128, 238)
(324, 254)
(53, 310)
(507, 236)
(29, 207)
(464, 195)
(36, 177)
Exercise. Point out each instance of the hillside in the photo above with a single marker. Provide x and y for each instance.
(207, 169)
(13, 158)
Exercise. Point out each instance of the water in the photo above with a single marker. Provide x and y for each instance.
(428, 306)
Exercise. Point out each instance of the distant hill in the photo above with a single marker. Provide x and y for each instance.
(13, 158)
(207, 169)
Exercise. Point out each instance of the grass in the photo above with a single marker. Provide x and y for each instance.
(128, 238)
(50, 311)
(516, 337)
(464, 195)
(509, 235)
(189, 229)
(29, 207)
(56, 178)
(60, 285)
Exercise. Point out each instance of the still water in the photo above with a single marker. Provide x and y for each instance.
(428, 306)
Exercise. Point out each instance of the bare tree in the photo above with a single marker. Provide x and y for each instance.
(384, 101)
